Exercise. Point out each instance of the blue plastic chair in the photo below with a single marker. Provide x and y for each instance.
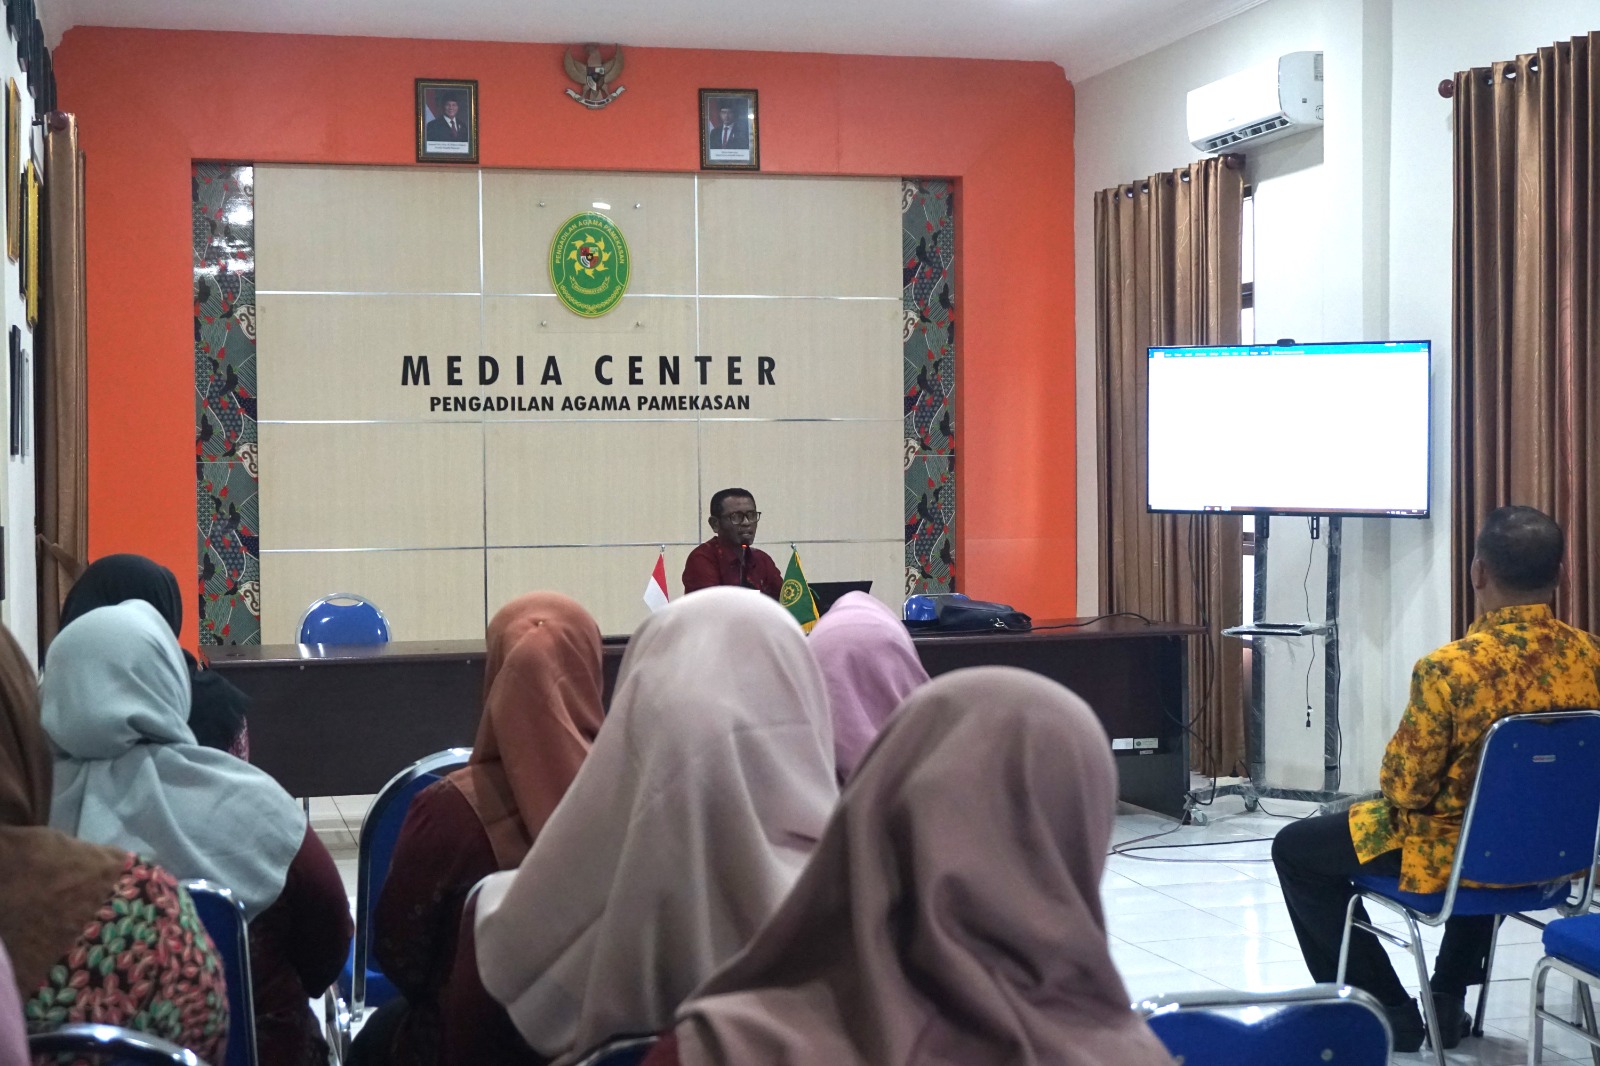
(223, 916)
(361, 984)
(620, 1051)
(344, 618)
(1533, 821)
(111, 1046)
(1572, 947)
(1309, 1026)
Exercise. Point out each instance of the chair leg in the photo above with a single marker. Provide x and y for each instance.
(1344, 942)
(1536, 1014)
(1430, 1017)
(1488, 971)
(1586, 1004)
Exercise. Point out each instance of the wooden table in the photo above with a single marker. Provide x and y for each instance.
(342, 720)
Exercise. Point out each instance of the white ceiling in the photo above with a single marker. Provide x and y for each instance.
(1084, 36)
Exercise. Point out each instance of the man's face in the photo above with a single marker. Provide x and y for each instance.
(736, 523)
(450, 108)
(725, 115)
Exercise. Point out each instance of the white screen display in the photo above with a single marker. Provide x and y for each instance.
(1309, 428)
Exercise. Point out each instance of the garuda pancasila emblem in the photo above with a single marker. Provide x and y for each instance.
(595, 75)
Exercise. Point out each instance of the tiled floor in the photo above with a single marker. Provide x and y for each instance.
(1216, 919)
(337, 821)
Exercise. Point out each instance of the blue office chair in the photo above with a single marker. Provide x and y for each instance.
(110, 1045)
(1572, 947)
(361, 985)
(344, 618)
(1302, 1027)
(1533, 821)
(223, 916)
(620, 1051)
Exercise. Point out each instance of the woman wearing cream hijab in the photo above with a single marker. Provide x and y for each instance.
(704, 794)
(951, 915)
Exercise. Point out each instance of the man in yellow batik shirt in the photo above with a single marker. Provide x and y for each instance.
(1515, 658)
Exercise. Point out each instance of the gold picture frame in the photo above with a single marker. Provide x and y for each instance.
(13, 171)
(441, 102)
(729, 138)
(34, 189)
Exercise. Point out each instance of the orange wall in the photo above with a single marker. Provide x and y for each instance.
(149, 102)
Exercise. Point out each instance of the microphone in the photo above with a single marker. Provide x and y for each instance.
(744, 564)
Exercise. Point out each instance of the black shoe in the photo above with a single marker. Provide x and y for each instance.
(1454, 1024)
(1405, 1023)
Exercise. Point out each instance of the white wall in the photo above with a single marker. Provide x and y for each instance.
(19, 610)
(1353, 242)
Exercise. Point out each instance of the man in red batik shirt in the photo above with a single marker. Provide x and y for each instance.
(728, 558)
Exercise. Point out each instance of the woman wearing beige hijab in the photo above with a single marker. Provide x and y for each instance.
(951, 915)
(697, 808)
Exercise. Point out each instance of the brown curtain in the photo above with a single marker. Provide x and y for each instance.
(62, 435)
(1526, 323)
(1167, 272)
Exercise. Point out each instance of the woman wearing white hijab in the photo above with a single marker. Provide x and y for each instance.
(695, 811)
(951, 915)
(129, 773)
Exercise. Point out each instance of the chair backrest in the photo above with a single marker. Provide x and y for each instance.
(110, 1045)
(344, 618)
(620, 1051)
(1302, 1027)
(1534, 815)
(380, 829)
(222, 914)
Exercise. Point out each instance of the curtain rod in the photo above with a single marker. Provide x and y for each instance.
(1447, 87)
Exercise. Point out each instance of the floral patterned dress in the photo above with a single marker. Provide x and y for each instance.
(145, 963)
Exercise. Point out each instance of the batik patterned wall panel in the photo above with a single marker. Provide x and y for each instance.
(929, 332)
(226, 481)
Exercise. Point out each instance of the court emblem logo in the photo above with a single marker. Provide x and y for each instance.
(589, 264)
(789, 595)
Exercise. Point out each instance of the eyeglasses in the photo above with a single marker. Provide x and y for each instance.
(742, 518)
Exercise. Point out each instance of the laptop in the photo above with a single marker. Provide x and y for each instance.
(827, 593)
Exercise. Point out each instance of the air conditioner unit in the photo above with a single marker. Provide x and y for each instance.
(1264, 103)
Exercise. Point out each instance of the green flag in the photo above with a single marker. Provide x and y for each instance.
(796, 594)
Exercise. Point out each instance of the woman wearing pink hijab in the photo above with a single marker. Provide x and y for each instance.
(951, 913)
(870, 666)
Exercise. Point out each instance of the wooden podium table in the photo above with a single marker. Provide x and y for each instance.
(334, 721)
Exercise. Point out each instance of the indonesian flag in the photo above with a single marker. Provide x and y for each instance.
(655, 590)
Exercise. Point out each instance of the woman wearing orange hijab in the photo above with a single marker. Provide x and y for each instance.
(541, 711)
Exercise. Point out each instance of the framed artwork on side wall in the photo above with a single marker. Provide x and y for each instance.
(13, 171)
(447, 121)
(729, 138)
(31, 253)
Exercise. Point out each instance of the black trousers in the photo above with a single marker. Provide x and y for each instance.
(1315, 859)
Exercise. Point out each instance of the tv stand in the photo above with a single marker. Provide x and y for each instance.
(1254, 789)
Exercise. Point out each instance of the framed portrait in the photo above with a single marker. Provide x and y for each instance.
(35, 64)
(31, 243)
(25, 23)
(14, 385)
(13, 170)
(447, 121)
(729, 138)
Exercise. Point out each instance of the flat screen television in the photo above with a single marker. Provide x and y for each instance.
(1312, 429)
